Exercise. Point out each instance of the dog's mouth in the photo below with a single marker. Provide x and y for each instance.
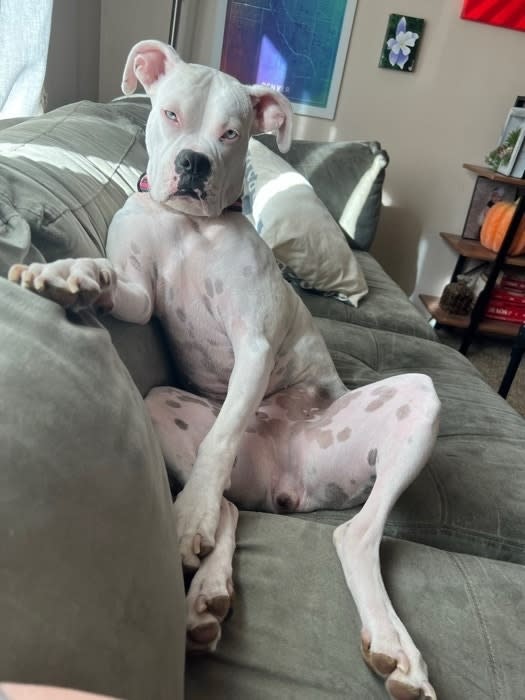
(197, 194)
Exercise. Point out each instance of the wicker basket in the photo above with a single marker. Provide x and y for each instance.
(457, 298)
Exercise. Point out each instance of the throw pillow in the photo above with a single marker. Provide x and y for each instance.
(294, 222)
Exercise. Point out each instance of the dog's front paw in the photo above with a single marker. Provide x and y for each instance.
(73, 283)
(197, 510)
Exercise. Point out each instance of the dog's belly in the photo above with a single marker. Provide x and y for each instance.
(202, 352)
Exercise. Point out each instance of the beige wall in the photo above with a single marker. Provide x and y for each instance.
(449, 111)
(123, 23)
(72, 64)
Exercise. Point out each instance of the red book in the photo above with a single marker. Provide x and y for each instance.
(516, 282)
(509, 312)
(507, 296)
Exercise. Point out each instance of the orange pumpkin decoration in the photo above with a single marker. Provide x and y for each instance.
(495, 225)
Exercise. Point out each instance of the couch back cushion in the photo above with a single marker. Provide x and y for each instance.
(62, 177)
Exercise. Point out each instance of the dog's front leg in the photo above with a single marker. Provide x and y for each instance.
(80, 283)
(197, 507)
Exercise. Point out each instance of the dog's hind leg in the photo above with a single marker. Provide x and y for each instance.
(399, 419)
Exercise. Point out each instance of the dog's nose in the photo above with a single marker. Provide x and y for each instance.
(193, 164)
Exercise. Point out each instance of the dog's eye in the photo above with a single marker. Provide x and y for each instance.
(230, 135)
(171, 115)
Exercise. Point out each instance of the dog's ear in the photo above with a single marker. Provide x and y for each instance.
(147, 62)
(272, 112)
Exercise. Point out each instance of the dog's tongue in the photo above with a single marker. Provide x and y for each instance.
(143, 183)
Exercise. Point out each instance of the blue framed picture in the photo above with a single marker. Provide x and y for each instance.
(298, 47)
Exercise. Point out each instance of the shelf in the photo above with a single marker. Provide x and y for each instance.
(473, 249)
(488, 326)
(493, 175)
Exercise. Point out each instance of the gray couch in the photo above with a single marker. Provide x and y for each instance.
(91, 591)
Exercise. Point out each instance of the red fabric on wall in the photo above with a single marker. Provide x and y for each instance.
(503, 13)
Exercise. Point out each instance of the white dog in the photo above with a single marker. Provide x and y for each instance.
(263, 420)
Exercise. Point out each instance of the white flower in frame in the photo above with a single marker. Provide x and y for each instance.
(401, 45)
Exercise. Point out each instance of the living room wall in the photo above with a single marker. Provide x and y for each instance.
(449, 111)
(73, 57)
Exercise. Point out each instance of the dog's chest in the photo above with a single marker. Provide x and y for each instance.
(188, 301)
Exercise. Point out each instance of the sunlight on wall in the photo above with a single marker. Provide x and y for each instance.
(386, 199)
(332, 134)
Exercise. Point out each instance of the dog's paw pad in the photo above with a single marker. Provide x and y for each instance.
(205, 633)
(382, 664)
(219, 606)
(399, 690)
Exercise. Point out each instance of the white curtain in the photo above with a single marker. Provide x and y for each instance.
(24, 38)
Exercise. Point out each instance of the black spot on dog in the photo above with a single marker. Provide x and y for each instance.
(372, 457)
(403, 411)
(173, 404)
(181, 424)
(209, 287)
(135, 262)
(194, 399)
(344, 434)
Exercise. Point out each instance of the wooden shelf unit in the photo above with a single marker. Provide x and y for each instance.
(466, 249)
(482, 171)
(473, 249)
(487, 326)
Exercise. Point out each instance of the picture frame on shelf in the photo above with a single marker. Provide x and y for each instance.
(514, 135)
(486, 193)
(518, 169)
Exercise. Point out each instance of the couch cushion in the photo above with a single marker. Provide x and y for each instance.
(63, 175)
(294, 222)
(385, 306)
(91, 590)
(335, 169)
(294, 632)
(471, 495)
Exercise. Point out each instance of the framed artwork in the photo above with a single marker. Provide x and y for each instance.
(501, 13)
(298, 47)
(514, 131)
(509, 156)
(401, 44)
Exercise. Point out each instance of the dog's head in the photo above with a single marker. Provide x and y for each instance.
(199, 127)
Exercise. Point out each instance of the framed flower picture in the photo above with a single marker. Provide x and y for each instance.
(401, 44)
